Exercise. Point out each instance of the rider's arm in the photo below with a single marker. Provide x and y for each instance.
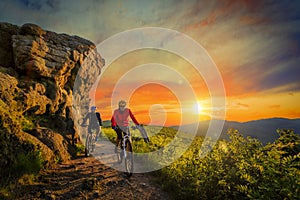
(133, 118)
(99, 119)
(85, 119)
(113, 121)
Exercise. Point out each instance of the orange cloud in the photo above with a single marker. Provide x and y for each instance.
(274, 106)
(148, 95)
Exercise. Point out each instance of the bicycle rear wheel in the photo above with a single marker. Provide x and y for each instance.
(128, 159)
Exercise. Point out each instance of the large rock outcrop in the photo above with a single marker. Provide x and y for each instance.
(38, 69)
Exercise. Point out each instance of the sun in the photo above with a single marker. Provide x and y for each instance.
(197, 108)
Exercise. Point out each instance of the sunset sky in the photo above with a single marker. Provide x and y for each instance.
(255, 46)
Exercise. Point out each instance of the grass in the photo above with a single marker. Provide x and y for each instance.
(80, 149)
(27, 124)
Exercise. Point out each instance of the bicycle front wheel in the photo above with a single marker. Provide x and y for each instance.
(88, 145)
(93, 141)
(128, 159)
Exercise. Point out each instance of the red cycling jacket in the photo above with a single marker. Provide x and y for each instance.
(120, 118)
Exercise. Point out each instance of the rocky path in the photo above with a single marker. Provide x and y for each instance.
(88, 178)
(104, 152)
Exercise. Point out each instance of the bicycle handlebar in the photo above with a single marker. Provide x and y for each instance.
(136, 126)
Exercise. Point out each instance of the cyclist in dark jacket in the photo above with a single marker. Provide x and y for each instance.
(120, 121)
(95, 121)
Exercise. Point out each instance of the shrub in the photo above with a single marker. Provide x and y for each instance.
(237, 169)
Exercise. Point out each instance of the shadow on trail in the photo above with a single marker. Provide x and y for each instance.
(87, 178)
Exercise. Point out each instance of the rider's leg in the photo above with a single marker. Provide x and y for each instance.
(100, 132)
(119, 139)
(97, 132)
(89, 129)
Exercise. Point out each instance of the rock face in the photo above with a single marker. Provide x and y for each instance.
(38, 69)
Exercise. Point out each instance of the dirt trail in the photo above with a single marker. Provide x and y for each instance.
(88, 178)
(104, 152)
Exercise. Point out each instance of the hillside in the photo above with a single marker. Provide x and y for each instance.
(236, 168)
(264, 129)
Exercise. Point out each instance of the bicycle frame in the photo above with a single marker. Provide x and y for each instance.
(126, 153)
(90, 141)
(125, 139)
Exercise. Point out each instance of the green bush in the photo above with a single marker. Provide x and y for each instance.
(28, 163)
(17, 157)
(241, 168)
(237, 169)
(80, 148)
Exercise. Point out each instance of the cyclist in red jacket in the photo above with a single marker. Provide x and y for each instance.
(120, 121)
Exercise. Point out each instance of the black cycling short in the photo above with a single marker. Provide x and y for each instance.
(121, 131)
(97, 128)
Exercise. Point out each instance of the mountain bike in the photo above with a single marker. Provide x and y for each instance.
(126, 153)
(90, 141)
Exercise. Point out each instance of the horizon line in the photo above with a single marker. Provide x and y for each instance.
(284, 118)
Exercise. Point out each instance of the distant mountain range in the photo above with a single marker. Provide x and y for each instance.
(264, 129)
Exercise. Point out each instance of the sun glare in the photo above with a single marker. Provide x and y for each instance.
(199, 108)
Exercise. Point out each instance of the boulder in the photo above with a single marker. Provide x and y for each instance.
(6, 52)
(38, 69)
